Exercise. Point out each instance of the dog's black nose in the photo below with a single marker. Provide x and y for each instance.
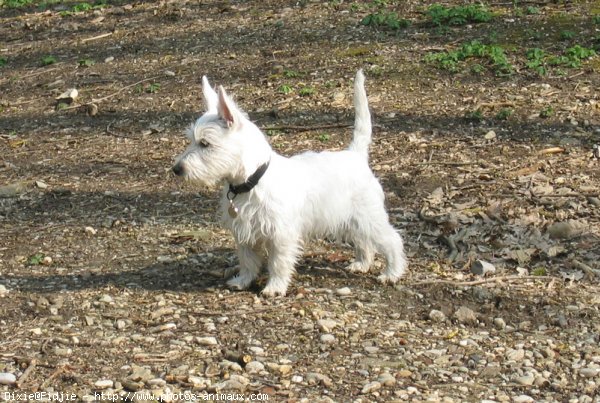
(177, 169)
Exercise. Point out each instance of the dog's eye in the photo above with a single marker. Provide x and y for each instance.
(203, 143)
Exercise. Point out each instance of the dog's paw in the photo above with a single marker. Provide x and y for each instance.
(273, 290)
(357, 267)
(239, 283)
(388, 279)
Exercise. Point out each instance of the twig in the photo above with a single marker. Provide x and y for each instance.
(27, 372)
(551, 150)
(59, 370)
(93, 38)
(484, 281)
(307, 128)
(96, 100)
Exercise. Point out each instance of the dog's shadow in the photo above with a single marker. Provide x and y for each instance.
(184, 275)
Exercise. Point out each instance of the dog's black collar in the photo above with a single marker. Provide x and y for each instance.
(247, 186)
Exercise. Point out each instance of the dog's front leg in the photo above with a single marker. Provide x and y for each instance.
(283, 254)
(250, 265)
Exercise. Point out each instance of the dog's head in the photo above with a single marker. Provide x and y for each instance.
(224, 143)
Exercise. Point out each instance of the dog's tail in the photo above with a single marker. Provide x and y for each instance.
(362, 119)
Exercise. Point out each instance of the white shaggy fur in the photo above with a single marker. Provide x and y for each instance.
(309, 195)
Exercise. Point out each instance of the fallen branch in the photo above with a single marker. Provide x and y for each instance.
(27, 372)
(93, 38)
(551, 150)
(509, 279)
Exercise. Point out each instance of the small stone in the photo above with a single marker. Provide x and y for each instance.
(499, 323)
(490, 135)
(169, 73)
(343, 291)
(465, 315)
(90, 231)
(41, 184)
(326, 325)
(285, 369)
(386, 379)
(515, 354)
(254, 367)
(327, 338)
(140, 374)
(404, 373)
(589, 372)
(482, 268)
(7, 378)
(371, 387)
(104, 384)
(207, 341)
(523, 399)
(437, 316)
(109, 59)
(258, 351)
(68, 96)
(297, 379)
(526, 380)
(3, 290)
(107, 299)
(372, 349)
(158, 382)
(47, 261)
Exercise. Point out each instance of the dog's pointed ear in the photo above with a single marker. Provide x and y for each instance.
(211, 99)
(227, 109)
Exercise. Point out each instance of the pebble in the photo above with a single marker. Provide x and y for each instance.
(159, 382)
(326, 325)
(515, 354)
(258, 351)
(106, 299)
(285, 369)
(104, 384)
(386, 379)
(465, 315)
(523, 399)
(343, 291)
(437, 316)
(90, 230)
(327, 338)
(371, 387)
(499, 323)
(207, 341)
(3, 290)
(314, 378)
(490, 135)
(589, 372)
(109, 59)
(526, 380)
(7, 378)
(297, 379)
(254, 367)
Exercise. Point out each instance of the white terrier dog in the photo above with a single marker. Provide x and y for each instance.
(273, 204)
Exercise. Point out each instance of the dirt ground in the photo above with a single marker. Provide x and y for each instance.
(112, 271)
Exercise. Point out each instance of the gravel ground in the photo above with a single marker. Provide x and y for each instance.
(112, 272)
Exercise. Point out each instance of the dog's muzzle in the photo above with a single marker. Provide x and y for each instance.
(178, 169)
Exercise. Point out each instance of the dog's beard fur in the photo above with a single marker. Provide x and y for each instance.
(305, 196)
